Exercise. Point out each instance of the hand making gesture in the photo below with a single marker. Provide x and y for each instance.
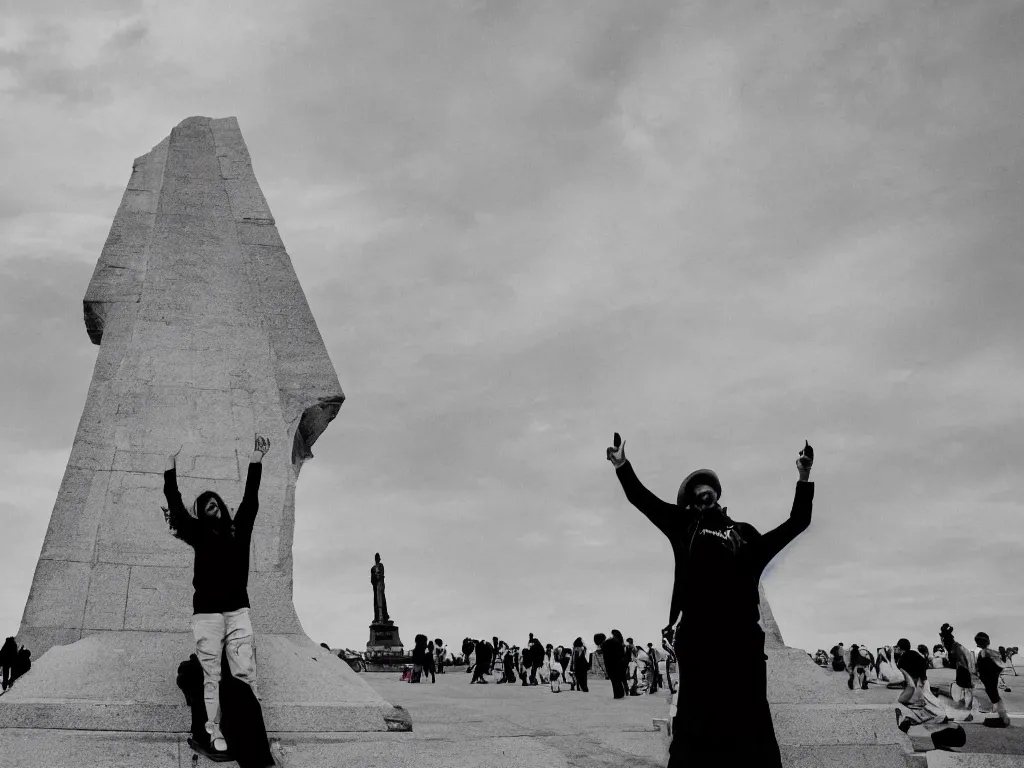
(804, 462)
(617, 453)
(262, 445)
(172, 460)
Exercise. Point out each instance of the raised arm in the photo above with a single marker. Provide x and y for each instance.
(659, 512)
(246, 514)
(183, 525)
(775, 540)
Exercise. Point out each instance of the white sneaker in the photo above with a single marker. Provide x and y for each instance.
(219, 745)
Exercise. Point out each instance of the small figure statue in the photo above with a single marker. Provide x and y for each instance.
(380, 603)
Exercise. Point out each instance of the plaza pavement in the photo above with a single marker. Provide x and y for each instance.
(980, 739)
(458, 725)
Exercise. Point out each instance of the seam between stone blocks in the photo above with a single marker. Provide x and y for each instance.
(127, 592)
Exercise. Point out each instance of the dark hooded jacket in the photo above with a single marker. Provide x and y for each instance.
(222, 547)
(718, 561)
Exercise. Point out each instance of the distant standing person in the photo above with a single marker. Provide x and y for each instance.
(22, 664)
(612, 654)
(626, 657)
(419, 659)
(670, 659)
(8, 658)
(220, 603)
(718, 564)
(990, 667)
(430, 662)
(483, 661)
(580, 664)
(441, 652)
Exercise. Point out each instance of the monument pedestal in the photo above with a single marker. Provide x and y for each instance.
(384, 649)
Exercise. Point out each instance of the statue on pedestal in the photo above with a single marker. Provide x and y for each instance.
(380, 603)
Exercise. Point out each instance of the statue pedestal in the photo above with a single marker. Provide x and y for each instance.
(384, 650)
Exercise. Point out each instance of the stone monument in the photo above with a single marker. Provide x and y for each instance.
(205, 337)
(384, 649)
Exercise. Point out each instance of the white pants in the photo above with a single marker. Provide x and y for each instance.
(214, 632)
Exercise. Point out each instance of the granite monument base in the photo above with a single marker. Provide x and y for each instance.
(125, 681)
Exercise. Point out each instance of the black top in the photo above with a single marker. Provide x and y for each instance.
(222, 550)
(914, 664)
(614, 654)
(718, 561)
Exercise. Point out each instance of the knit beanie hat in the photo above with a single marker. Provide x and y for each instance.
(982, 639)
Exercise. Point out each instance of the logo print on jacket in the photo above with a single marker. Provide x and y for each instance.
(719, 534)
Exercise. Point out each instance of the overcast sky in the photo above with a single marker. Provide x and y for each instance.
(524, 226)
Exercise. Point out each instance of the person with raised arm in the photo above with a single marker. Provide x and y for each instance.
(220, 602)
(718, 564)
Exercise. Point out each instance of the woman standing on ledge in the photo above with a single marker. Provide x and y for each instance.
(221, 600)
(718, 564)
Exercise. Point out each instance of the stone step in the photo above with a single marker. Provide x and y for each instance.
(940, 759)
(844, 756)
(823, 725)
(125, 681)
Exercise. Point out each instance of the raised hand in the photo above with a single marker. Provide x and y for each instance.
(805, 460)
(617, 453)
(262, 445)
(172, 460)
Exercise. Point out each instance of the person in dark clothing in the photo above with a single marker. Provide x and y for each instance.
(959, 660)
(536, 651)
(8, 657)
(429, 662)
(220, 603)
(580, 664)
(612, 653)
(419, 658)
(838, 662)
(917, 705)
(483, 661)
(718, 564)
(989, 669)
(22, 664)
(507, 661)
(859, 665)
(627, 656)
(468, 647)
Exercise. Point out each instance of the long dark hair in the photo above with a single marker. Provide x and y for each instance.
(201, 501)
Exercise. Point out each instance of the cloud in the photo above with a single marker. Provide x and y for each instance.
(521, 229)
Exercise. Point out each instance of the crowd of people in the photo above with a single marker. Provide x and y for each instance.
(633, 669)
(906, 668)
